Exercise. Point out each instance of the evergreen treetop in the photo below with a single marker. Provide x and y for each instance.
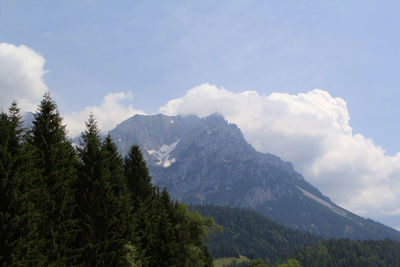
(85, 207)
(18, 221)
(55, 162)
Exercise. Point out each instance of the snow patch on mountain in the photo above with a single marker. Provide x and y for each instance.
(162, 155)
(323, 202)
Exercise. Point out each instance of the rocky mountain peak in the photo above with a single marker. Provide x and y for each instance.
(208, 161)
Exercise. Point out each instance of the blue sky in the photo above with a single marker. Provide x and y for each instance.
(158, 50)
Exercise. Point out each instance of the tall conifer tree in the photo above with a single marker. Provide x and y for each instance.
(142, 196)
(163, 245)
(103, 200)
(137, 175)
(55, 160)
(169, 235)
(17, 224)
(120, 228)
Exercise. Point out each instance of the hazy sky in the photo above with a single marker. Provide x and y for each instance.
(119, 58)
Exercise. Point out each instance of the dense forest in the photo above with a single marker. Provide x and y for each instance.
(266, 243)
(247, 232)
(86, 206)
(337, 253)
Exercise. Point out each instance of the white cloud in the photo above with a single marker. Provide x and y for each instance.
(111, 112)
(21, 76)
(311, 130)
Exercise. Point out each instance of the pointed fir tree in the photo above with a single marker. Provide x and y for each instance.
(18, 225)
(55, 160)
(120, 228)
(103, 201)
(169, 235)
(163, 245)
(137, 175)
(177, 234)
(142, 194)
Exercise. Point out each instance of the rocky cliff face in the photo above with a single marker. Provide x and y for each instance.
(208, 161)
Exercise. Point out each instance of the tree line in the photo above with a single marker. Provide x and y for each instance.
(337, 253)
(249, 233)
(267, 243)
(62, 205)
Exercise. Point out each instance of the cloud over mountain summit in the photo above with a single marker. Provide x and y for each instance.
(311, 130)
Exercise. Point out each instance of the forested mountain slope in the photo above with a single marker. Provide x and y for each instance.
(248, 233)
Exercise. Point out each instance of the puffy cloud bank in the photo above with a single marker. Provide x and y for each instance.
(21, 79)
(311, 130)
(21, 76)
(111, 112)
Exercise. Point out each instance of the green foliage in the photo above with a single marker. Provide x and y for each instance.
(247, 263)
(137, 174)
(258, 263)
(103, 203)
(55, 163)
(130, 258)
(17, 216)
(249, 233)
(90, 207)
(168, 234)
(230, 261)
(290, 263)
(343, 252)
(62, 207)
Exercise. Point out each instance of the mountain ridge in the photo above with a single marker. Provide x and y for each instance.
(208, 161)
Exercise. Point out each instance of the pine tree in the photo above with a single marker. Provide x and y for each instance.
(17, 219)
(119, 216)
(142, 197)
(169, 235)
(55, 160)
(138, 178)
(104, 210)
(90, 171)
(165, 246)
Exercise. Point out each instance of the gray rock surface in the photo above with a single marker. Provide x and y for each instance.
(208, 161)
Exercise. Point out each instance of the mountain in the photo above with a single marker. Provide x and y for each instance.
(208, 161)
